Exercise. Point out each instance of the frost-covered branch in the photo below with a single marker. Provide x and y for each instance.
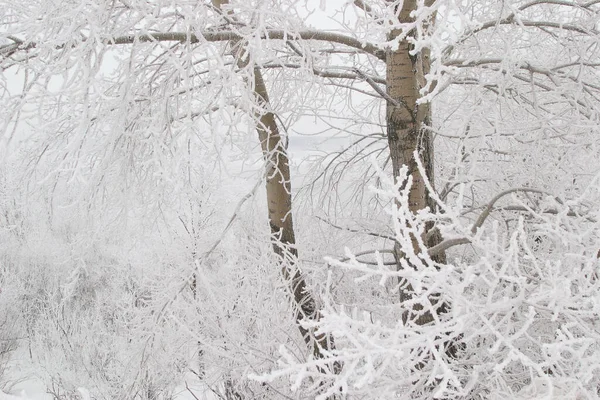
(217, 36)
(513, 307)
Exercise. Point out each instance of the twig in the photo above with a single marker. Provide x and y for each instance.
(190, 390)
(381, 92)
(363, 253)
(213, 247)
(379, 235)
(368, 10)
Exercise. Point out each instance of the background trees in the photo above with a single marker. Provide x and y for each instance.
(131, 127)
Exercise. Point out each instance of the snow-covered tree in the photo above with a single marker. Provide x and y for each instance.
(465, 195)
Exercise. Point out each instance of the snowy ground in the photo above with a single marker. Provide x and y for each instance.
(25, 386)
(34, 390)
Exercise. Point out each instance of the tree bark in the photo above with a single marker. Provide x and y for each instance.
(279, 201)
(407, 131)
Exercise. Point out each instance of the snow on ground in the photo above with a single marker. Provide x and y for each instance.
(35, 390)
(30, 389)
(4, 396)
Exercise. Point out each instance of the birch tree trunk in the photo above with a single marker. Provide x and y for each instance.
(279, 199)
(407, 131)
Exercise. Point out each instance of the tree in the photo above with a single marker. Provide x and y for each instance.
(407, 130)
(279, 192)
(486, 82)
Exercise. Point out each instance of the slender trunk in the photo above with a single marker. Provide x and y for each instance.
(279, 201)
(407, 124)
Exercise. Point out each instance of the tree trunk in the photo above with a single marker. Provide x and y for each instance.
(279, 201)
(407, 131)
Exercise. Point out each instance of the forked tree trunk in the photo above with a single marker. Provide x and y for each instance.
(279, 200)
(407, 124)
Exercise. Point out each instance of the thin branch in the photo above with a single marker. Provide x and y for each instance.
(379, 235)
(569, 3)
(341, 153)
(380, 91)
(328, 73)
(550, 211)
(374, 263)
(528, 67)
(512, 19)
(490, 206)
(368, 10)
(367, 252)
(363, 6)
(535, 24)
(187, 281)
(445, 245)
(190, 390)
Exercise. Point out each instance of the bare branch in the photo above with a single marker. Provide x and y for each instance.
(536, 24)
(364, 6)
(380, 91)
(445, 245)
(368, 10)
(379, 235)
(529, 67)
(550, 211)
(367, 252)
(490, 206)
(328, 73)
(585, 6)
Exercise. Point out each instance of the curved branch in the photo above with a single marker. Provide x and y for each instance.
(512, 18)
(221, 36)
(559, 3)
(446, 244)
(535, 24)
(490, 206)
(525, 65)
